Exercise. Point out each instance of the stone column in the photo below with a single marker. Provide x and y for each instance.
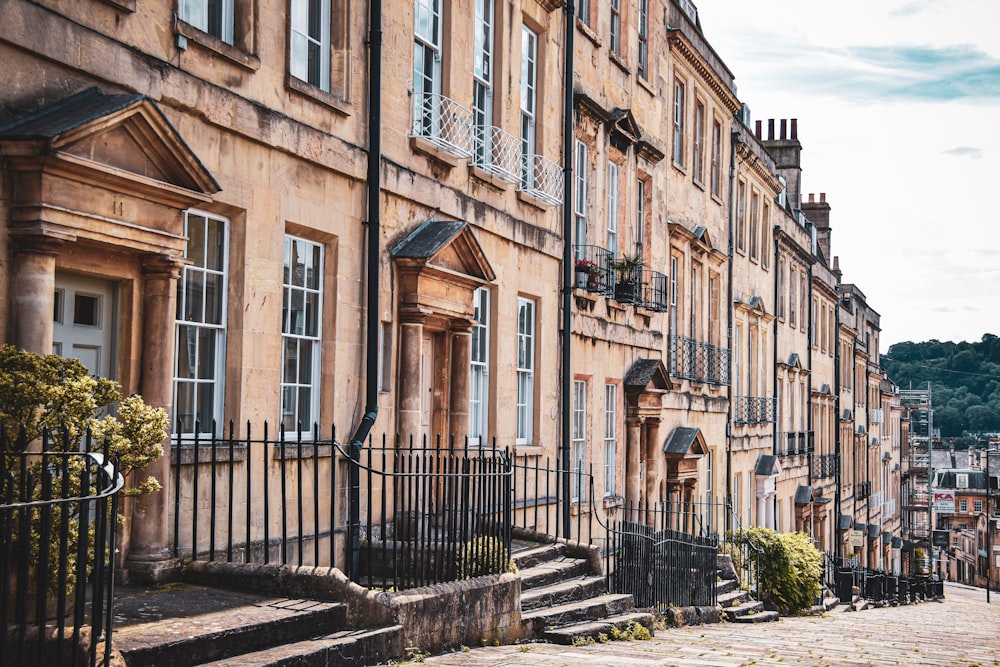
(149, 558)
(411, 331)
(654, 459)
(458, 399)
(633, 458)
(32, 293)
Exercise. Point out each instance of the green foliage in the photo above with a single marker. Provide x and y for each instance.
(790, 568)
(52, 394)
(481, 556)
(964, 379)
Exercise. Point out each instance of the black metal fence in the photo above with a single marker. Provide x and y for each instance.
(58, 509)
(656, 563)
(880, 586)
(699, 362)
(426, 511)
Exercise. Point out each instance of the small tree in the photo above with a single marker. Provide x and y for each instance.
(790, 569)
(57, 399)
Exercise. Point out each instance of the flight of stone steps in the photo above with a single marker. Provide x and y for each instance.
(738, 605)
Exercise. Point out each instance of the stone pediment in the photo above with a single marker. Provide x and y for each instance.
(110, 137)
(448, 245)
(684, 442)
(647, 375)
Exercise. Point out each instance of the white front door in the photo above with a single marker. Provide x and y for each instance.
(84, 322)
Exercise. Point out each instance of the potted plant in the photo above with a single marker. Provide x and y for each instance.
(586, 274)
(628, 278)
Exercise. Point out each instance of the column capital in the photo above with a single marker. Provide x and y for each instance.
(164, 266)
(36, 242)
(461, 325)
(413, 315)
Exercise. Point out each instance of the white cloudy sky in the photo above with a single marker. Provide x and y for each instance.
(898, 107)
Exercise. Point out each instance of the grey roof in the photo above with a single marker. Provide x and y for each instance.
(641, 372)
(428, 238)
(897, 542)
(845, 521)
(873, 530)
(793, 359)
(947, 479)
(767, 465)
(803, 494)
(74, 111)
(887, 537)
(680, 440)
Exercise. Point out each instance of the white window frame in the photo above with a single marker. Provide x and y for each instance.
(580, 198)
(741, 205)
(196, 13)
(482, 80)
(198, 327)
(385, 356)
(716, 185)
(698, 168)
(529, 105)
(426, 66)
(300, 391)
(583, 11)
(678, 122)
(525, 371)
(754, 224)
(610, 440)
(578, 455)
(642, 57)
(640, 216)
(615, 29)
(613, 208)
(309, 44)
(977, 506)
(479, 382)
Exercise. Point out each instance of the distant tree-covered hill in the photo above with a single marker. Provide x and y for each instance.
(964, 377)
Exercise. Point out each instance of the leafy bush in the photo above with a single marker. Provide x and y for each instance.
(482, 556)
(790, 568)
(57, 397)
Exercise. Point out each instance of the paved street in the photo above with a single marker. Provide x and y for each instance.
(961, 630)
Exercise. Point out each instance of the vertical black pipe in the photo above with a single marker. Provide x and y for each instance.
(728, 518)
(372, 282)
(838, 534)
(567, 285)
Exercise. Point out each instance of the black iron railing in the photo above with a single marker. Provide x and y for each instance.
(269, 499)
(58, 512)
(825, 466)
(699, 362)
(753, 410)
(883, 587)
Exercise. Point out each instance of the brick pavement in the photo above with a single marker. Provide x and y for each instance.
(959, 631)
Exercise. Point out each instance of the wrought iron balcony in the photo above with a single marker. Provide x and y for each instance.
(593, 269)
(497, 152)
(797, 443)
(753, 410)
(442, 122)
(698, 362)
(863, 490)
(825, 466)
(542, 178)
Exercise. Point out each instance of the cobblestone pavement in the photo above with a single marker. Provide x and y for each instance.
(960, 630)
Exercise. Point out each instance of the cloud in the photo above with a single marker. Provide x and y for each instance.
(970, 152)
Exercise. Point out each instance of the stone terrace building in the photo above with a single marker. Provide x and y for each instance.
(186, 198)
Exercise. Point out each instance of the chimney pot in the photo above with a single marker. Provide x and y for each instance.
(759, 124)
(770, 129)
(822, 197)
(795, 128)
(812, 198)
(783, 132)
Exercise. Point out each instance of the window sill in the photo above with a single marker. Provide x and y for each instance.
(698, 183)
(619, 61)
(588, 33)
(613, 501)
(125, 5)
(212, 43)
(421, 145)
(529, 450)
(306, 89)
(679, 167)
(532, 201)
(645, 84)
(491, 179)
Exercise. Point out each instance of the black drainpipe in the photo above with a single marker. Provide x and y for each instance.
(730, 504)
(809, 387)
(836, 421)
(567, 305)
(372, 278)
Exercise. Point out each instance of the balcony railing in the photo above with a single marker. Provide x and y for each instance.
(797, 443)
(753, 410)
(825, 466)
(443, 122)
(598, 271)
(863, 490)
(497, 152)
(542, 179)
(698, 362)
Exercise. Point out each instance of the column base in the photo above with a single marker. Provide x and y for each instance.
(152, 567)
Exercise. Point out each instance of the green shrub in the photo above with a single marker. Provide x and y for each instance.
(790, 568)
(482, 556)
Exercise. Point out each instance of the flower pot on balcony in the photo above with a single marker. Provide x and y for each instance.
(627, 292)
(582, 280)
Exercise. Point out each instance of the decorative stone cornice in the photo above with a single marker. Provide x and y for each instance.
(684, 49)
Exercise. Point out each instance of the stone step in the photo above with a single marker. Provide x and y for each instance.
(537, 555)
(727, 599)
(563, 592)
(590, 609)
(592, 629)
(758, 617)
(551, 572)
(744, 609)
(347, 647)
(726, 585)
(184, 624)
